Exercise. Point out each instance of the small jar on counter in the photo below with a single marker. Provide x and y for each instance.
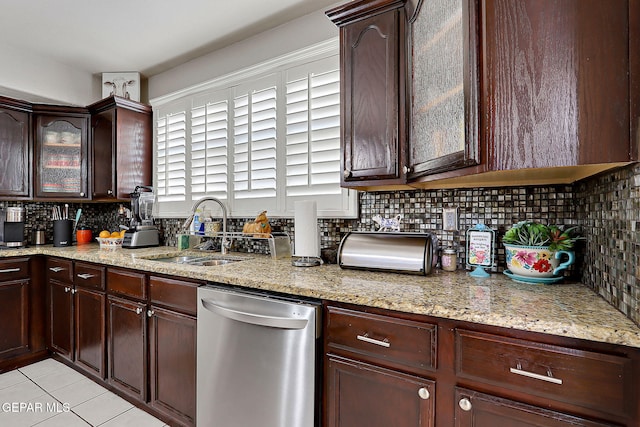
(449, 259)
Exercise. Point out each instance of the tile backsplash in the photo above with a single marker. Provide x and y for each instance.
(606, 209)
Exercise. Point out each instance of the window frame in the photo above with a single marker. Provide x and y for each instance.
(343, 205)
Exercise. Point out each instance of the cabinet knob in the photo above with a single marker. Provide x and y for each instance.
(406, 169)
(81, 194)
(423, 393)
(465, 404)
(67, 289)
(110, 192)
(139, 310)
(150, 313)
(347, 173)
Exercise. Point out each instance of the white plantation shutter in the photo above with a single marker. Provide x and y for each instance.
(171, 158)
(313, 136)
(255, 146)
(209, 142)
(260, 139)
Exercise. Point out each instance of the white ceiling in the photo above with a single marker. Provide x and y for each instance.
(149, 36)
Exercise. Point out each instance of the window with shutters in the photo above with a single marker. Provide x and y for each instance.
(259, 139)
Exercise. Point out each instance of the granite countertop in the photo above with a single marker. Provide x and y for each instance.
(568, 309)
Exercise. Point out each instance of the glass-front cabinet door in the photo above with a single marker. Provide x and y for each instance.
(61, 156)
(443, 118)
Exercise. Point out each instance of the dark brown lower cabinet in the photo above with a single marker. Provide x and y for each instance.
(475, 409)
(77, 315)
(364, 395)
(61, 318)
(127, 343)
(172, 347)
(22, 312)
(90, 331)
(14, 318)
(486, 376)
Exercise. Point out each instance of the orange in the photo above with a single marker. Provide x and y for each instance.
(122, 233)
(115, 234)
(104, 234)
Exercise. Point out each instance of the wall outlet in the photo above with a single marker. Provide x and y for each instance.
(450, 219)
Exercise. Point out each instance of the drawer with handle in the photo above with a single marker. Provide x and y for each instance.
(583, 378)
(14, 269)
(89, 276)
(388, 341)
(60, 270)
(175, 294)
(127, 283)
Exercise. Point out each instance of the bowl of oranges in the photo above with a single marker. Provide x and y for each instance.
(110, 240)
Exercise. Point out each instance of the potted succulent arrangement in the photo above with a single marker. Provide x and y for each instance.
(533, 251)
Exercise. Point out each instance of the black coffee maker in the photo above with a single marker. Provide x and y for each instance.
(12, 227)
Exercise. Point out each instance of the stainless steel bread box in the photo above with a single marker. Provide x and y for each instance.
(414, 253)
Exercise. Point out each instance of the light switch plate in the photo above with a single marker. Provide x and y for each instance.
(450, 219)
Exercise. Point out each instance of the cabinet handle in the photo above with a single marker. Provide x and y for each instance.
(465, 404)
(57, 269)
(67, 289)
(549, 377)
(347, 173)
(139, 310)
(366, 338)
(10, 270)
(150, 313)
(86, 276)
(423, 393)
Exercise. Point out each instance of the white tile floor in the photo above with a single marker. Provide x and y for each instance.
(50, 394)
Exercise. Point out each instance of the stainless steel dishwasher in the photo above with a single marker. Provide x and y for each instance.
(256, 360)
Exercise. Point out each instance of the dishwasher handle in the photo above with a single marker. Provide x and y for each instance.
(254, 318)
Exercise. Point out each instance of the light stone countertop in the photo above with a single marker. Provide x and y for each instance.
(568, 309)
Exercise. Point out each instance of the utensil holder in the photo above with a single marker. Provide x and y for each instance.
(62, 232)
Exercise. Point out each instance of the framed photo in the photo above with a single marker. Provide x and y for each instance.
(126, 85)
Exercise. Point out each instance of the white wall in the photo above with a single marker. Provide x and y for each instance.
(297, 34)
(35, 78)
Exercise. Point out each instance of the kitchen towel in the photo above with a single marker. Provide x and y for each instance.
(307, 235)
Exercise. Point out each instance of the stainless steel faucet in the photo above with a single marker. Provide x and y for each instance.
(226, 244)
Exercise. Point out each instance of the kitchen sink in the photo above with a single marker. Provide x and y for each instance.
(197, 260)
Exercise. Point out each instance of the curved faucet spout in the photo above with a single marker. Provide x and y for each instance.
(224, 247)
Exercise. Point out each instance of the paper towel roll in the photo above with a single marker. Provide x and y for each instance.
(307, 236)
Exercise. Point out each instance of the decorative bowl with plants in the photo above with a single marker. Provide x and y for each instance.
(533, 250)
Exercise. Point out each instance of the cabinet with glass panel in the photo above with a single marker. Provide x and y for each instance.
(61, 154)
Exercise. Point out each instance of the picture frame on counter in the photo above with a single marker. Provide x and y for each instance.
(480, 249)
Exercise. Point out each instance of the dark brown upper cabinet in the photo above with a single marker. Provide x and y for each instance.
(61, 152)
(372, 65)
(443, 86)
(493, 93)
(557, 92)
(15, 149)
(121, 136)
